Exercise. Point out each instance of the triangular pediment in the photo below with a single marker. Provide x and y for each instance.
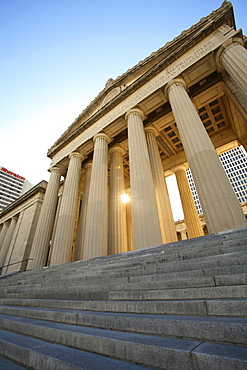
(124, 85)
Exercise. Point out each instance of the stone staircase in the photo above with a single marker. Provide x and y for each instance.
(179, 306)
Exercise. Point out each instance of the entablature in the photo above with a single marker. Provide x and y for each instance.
(136, 77)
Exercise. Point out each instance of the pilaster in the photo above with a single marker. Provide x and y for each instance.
(7, 240)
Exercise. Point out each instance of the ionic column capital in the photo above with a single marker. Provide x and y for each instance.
(151, 129)
(88, 165)
(102, 135)
(116, 148)
(181, 167)
(173, 83)
(77, 155)
(226, 46)
(135, 111)
(56, 168)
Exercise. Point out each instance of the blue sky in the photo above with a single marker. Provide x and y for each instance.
(56, 56)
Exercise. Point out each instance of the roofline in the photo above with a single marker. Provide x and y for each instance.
(220, 16)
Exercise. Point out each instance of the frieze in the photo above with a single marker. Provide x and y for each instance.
(206, 46)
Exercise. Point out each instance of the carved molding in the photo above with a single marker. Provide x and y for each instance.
(209, 44)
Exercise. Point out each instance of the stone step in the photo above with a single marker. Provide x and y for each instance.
(213, 307)
(219, 292)
(235, 258)
(205, 272)
(127, 284)
(41, 355)
(237, 291)
(206, 290)
(176, 306)
(218, 329)
(9, 365)
(156, 351)
(204, 244)
(220, 276)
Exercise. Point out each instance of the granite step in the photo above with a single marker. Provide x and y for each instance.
(218, 329)
(226, 260)
(220, 275)
(126, 284)
(176, 306)
(156, 351)
(39, 354)
(10, 365)
(198, 292)
(204, 245)
(204, 307)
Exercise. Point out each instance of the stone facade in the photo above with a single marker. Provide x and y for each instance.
(166, 114)
(18, 225)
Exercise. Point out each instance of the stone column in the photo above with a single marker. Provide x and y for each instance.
(45, 225)
(220, 205)
(233, 57)
(129, 225)
(83, 213)
(167, 224)
(63, 239)
(145, 218)
(183, 235)
(3, 233)
(191, 217)
(117, 211)
(7, 240)
(95, 242)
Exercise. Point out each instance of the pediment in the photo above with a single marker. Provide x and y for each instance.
(118, 89)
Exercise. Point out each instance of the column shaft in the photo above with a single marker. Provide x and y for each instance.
(83, 214)
(45, 225)
(117, 211)
(146, 227)
(234, 60)
(7, 240)
(167, 224)
(219, 203)
(191, 217)
(63, 240)
(95, 243)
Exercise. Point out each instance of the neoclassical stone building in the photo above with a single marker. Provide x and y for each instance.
(168, 113)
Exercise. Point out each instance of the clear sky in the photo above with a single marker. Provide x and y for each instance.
(56, 56)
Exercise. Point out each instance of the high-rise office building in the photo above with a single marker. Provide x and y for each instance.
(12, 186)
(234, 162)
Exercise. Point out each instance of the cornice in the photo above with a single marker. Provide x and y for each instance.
(170, 52)
(40, 187)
